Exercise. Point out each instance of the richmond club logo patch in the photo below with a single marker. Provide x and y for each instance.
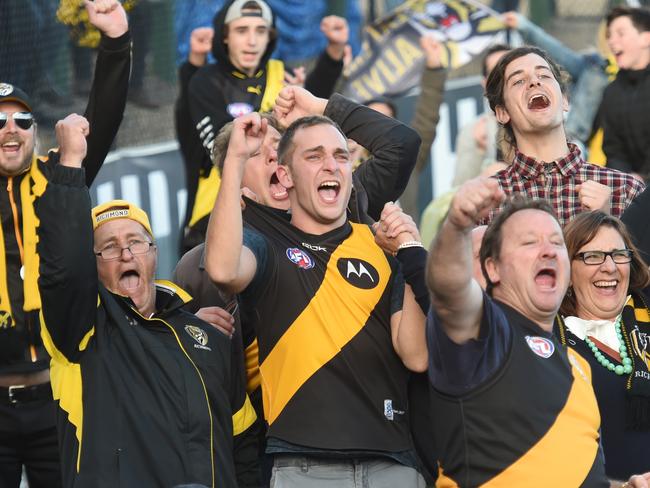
(300, 258)
(5, 89)
(541, 346)
(199, 335)
(358, 272)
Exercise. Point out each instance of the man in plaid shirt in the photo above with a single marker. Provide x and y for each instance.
(527, 94)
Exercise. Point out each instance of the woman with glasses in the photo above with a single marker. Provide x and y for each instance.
(605, 318)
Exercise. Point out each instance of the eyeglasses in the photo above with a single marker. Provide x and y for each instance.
(24, 120)
(135, 248)
(619, 256)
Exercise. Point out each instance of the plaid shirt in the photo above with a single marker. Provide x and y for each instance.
(556, 182)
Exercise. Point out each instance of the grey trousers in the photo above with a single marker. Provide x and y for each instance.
(313, 472)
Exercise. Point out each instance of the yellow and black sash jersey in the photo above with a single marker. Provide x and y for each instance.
(330, 377)
(534, 422)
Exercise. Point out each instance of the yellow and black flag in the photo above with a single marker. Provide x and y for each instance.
(390, 61)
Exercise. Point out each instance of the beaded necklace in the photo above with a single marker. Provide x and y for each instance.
(619, 369)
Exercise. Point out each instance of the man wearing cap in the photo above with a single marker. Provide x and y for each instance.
(147, 393)
(27, 412)
(243, 80)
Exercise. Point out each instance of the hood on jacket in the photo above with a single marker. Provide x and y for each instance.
(220, 49)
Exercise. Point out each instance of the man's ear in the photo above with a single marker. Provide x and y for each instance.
(492, 271)
(502, 115)
(283, 173)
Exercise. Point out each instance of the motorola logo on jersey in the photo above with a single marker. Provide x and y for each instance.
(358, 272)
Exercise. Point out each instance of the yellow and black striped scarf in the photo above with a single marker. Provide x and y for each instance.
(635, 328)
(31, 186)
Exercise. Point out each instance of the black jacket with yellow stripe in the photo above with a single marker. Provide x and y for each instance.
(143, 402)
(21, 349)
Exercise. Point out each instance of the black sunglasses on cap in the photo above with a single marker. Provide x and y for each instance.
(24, 120)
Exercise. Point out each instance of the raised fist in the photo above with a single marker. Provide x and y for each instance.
(337, 33)
(71, 134)
(200, 45)
(108, 16)
(473, 201)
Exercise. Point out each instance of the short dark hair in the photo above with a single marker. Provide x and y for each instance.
(640, 17)
(220, 145)
(496, 80)
(493, 238)
(581, 230)
(494, 48)
(286, 146)
(390, 103)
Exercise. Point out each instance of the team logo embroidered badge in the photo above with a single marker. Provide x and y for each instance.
(300, 258)
(238, 109)
(358, 272)
(5, 89)
(541, 346)
(198, 334)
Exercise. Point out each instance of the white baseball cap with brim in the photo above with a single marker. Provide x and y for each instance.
(249, 8)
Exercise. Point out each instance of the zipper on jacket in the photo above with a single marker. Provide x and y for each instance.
(205, 392)
(19, 241)
(14, 212)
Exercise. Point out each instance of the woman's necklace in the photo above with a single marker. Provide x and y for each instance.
(619, 369)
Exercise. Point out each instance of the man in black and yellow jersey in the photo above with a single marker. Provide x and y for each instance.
(244, 79)
(336, 327)
(380, 179)
(27, 412)
(147, 393)
(513, 407)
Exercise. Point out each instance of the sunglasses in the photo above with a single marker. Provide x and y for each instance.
(24, 120)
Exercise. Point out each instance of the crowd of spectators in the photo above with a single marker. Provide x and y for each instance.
(316, 331)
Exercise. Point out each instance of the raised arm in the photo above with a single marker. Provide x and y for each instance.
(455, 295)
(322, 79)
(229, 263)
(534, 35)
(432, 89)
(68, 271)
(195, 157)
(392, 144)
(110, 84)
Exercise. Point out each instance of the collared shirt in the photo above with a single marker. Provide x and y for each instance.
(602, 330)
(556, 182)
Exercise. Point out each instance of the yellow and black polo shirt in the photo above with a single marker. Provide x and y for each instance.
(533, 422)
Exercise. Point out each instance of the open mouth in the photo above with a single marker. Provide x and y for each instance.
(329, 190)
(10, 146)
(538, 102)
(546, 277)
(606, 285)
(129, 280)
(278, 192)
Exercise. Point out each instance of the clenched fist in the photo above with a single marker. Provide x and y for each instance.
(71, 134)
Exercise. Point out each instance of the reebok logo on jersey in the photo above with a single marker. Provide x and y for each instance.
(358, 272)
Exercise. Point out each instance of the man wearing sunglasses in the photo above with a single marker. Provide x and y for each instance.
(27, 412)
